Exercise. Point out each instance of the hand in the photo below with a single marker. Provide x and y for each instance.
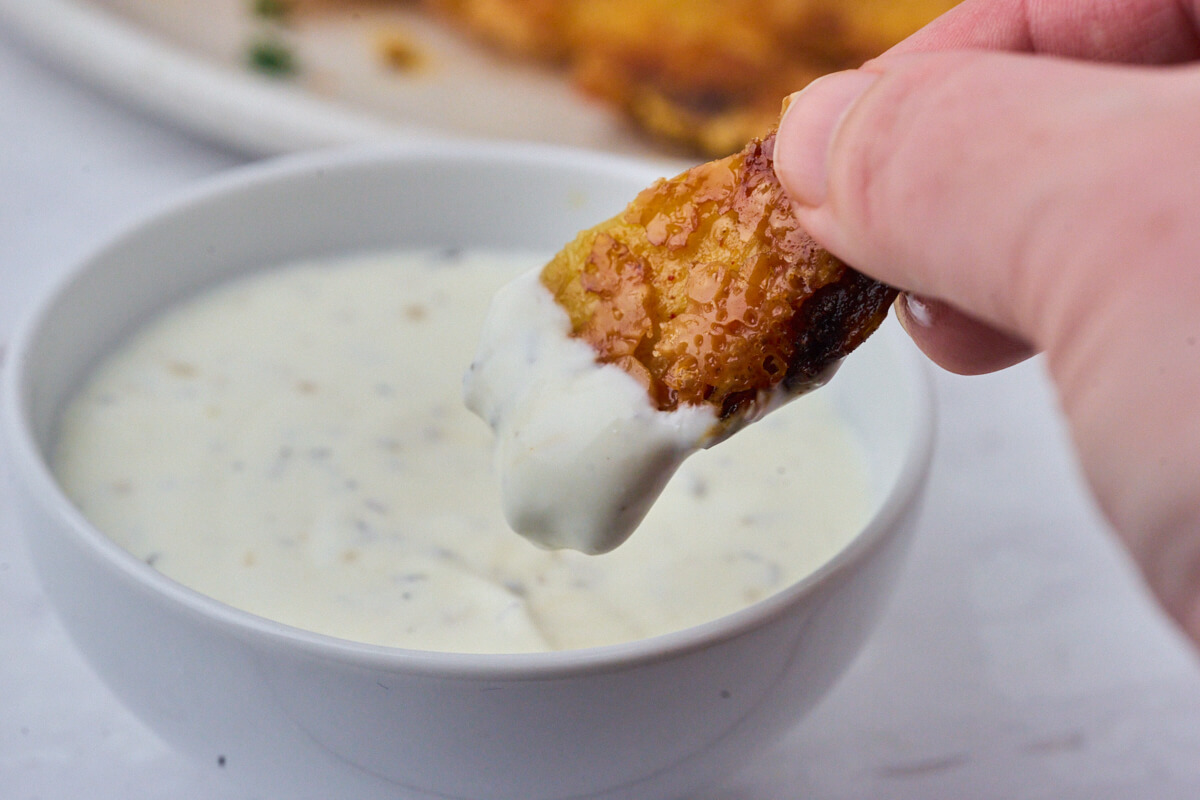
(1031, 201)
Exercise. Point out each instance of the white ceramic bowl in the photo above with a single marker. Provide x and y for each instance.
(300, 715)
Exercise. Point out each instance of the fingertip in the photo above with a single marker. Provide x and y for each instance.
(956, 341)
(806, 130)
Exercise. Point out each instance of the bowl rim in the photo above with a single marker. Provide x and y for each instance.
(31, 471)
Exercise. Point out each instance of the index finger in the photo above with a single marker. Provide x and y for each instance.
(1126, 31)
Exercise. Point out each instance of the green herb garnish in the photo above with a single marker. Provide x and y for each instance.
(273, 58)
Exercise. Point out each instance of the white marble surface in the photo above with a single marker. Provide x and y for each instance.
(1020, 659)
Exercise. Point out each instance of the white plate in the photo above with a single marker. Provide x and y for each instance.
(185, 61)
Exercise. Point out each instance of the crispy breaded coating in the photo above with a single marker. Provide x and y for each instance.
(706, 74)
(707, 290)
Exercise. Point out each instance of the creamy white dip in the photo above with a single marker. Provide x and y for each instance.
(581, 452)
(294, 444)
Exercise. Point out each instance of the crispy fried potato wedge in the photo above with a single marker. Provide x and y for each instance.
(707, 290)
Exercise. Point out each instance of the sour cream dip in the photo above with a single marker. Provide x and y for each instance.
(581, 452)
(294, 444)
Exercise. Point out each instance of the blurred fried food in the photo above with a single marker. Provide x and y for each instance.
(707, 74)
(706, 289)
(528, 28)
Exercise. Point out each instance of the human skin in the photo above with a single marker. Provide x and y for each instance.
(1029, 172)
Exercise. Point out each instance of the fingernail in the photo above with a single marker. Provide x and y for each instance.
(914, 315)
(807, 129)
(917, 310)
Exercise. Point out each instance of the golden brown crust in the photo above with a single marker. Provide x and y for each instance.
(708, 290)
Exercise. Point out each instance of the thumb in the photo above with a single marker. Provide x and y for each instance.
(1012, 187)
(1058, 202)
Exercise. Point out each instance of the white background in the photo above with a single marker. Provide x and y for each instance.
(1020, 659)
